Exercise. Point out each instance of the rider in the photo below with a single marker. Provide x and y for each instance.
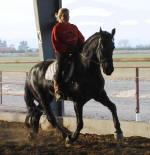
(65, 37)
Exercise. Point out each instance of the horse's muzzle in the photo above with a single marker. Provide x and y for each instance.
(108, 68)
(110, 71)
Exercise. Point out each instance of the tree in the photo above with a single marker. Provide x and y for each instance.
(12, 46)
(123, 43)
(23, 46)
(3, 43)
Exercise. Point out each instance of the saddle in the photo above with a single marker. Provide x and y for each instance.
(67, 74)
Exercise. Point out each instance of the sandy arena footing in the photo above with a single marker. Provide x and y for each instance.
(91, 126)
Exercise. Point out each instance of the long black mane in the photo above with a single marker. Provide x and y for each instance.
(86, 83)
(91, 42)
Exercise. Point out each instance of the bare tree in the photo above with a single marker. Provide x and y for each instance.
(3, 43)
(123, 43)
(23, 46)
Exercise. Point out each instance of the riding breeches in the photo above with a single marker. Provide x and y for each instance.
(60, 67)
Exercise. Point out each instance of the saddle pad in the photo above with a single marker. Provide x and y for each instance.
(49, 75)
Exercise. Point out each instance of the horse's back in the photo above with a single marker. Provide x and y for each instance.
(36, 76)
(40, 69)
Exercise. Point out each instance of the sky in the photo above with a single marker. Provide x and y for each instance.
(131, 18)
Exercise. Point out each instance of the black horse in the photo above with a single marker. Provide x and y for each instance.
(86, 83)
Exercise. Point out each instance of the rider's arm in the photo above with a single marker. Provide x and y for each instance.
(59, 47)
(80, 37)
(79, 34)
(81, 40)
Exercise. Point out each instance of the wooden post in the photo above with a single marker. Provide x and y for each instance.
(45, 20)
(0, 87)
(137, 95)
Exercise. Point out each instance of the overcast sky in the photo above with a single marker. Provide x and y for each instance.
(131, 18)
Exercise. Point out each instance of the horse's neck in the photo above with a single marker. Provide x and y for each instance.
(89, 49)
(88, 56)
(87, 63)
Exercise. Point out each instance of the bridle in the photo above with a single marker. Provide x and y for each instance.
(98, 50)
(102, 58)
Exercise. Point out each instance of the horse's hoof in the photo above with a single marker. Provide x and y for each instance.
(119, 136)
(31, 136)
(68, 142)
(64, 136)
(68, 145)
(27, 125)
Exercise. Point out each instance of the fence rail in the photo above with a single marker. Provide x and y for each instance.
(131, 59)
(115, 60)
(17, 62)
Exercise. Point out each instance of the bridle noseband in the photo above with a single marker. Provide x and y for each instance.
(100, 50)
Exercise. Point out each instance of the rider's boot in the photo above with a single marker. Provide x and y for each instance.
(58, 93)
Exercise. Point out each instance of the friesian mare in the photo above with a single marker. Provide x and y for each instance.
(86, 83)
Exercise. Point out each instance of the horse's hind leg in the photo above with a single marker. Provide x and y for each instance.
(34, 124)
(103, 98)
(51, 118)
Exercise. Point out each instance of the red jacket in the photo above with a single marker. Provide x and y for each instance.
(65, 35)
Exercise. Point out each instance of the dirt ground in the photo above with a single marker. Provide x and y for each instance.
(14, 141)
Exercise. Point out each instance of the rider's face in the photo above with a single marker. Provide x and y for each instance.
(64, 18)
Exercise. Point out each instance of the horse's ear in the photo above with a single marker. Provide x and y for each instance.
(100, 30)
(113, 32)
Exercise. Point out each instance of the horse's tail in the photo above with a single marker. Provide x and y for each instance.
(30, 104)
(28, 97)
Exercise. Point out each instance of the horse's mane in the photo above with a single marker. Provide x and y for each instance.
(92, 39)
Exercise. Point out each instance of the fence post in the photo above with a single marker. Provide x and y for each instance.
(0, 87)
(137, 95)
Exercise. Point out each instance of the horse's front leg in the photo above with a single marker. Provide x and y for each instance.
(78, 107)
(103, 98)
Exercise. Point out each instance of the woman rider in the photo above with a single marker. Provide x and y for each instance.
(65, 36)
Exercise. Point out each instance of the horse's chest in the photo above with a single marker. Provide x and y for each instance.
(93, 84)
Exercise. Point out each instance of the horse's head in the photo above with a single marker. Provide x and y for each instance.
(105, 49)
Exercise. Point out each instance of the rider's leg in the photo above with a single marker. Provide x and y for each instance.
(58, 95)
(58, 76)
